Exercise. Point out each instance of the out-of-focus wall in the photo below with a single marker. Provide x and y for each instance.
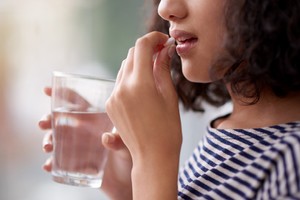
(39, 36)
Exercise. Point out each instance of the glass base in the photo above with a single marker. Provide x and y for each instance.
(77, 179)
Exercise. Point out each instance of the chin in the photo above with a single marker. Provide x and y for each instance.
(197, 79)
(196, 76)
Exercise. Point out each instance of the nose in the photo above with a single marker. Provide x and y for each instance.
(172, 10)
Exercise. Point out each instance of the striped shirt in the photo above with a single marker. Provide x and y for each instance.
(260, 163)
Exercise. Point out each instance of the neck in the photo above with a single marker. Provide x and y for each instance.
(269, 110)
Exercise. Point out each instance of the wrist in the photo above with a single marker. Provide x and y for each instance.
(155, 177)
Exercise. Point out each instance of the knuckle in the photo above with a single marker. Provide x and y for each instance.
(118, 95)
(108, 105)
(143, 41)
(155, 33)
(123, 62)
(130, 52)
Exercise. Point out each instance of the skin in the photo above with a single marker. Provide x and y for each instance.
(114, 178)
(203, 19)
(120, 163)
(144, 105)
(144, 109)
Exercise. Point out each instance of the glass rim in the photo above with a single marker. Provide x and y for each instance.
(74, 75)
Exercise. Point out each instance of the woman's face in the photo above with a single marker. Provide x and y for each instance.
(198, 27)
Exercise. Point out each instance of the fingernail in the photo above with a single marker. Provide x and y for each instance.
(47, 147)
(43, 119)
(47, 165)
(108, 138)
(171, 50)
(47, 143)
(169, 42)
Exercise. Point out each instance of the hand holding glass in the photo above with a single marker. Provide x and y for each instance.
(79, 120)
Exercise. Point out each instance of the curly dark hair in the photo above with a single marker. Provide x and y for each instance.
(263, 52)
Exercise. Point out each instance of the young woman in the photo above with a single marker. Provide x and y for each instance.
(244, 51)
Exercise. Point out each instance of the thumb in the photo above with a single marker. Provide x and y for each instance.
(113, 141)
(162, 73)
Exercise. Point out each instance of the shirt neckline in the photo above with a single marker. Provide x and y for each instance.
(286, 124)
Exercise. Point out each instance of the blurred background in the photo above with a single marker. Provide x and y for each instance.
(39, 36)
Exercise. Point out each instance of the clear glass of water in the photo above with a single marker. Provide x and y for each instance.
(79, 119)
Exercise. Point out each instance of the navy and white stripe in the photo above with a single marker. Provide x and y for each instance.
(260, 163)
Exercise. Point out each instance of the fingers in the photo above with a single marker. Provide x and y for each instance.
(48, 165)
(127, 65)
(72, 96)
(48, 142)
(145, 49)
(139, 61)
(162, 73)
(45, 122)
(68, 95)
(120, 73)
(48, 91)
(140, 57)
(113, 141)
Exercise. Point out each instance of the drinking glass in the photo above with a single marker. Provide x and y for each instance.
(79, 119)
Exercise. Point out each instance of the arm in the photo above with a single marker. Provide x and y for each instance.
(155, 178)
(144, 109)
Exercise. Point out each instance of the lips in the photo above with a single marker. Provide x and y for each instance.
(185, 41)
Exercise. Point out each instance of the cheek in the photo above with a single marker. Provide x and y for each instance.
(196, 71)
